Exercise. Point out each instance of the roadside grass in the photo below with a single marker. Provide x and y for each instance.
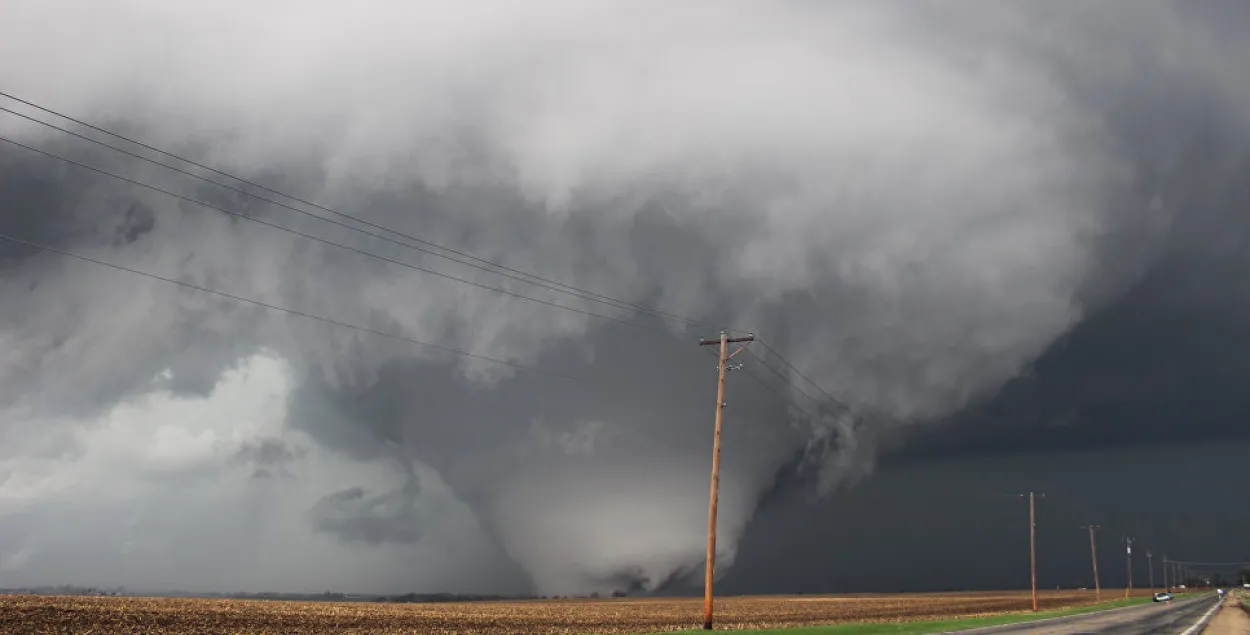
(938, 626)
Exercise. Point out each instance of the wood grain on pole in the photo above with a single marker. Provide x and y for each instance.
(711, 521)
(1093, 553)
(1033, 549)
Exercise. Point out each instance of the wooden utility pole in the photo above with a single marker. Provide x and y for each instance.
(1093, 554)
(1166, 587)
(724, 368)
(1150, 566)
(1129, 551)
(1033, 548)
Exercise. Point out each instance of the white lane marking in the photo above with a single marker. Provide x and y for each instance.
(1202, 620)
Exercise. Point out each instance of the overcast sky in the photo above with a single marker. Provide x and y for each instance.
(994, 230)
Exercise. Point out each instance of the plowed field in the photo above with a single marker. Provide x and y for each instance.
(142, 616)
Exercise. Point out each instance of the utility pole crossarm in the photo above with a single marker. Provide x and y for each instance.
(728, 340)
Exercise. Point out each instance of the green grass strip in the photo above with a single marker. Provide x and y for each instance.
(938, 626)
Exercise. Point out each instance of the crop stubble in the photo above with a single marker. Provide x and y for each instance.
(141, 616)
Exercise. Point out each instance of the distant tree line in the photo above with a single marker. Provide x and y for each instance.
(64, 589)
(328, 596)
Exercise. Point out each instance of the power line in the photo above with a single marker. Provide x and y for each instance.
(542, 282)
(846, 407)
(783, 378)
(784, 398)
(370, 254)
(804, 377)
(506, 271)
(619, 304)
(317, 238)
(274, 307)
(1211, 564)
(788, 401)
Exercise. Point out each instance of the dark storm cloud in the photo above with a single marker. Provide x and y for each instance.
(910, 205)
(1167, 361)
(1164, 357)
(953, 524)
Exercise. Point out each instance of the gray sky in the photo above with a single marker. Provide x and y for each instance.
(977, 223)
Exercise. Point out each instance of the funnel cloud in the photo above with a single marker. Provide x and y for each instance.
(911, 205)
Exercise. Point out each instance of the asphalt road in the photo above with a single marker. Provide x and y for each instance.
(1172, 618)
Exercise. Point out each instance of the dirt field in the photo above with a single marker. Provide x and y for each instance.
(30, 614)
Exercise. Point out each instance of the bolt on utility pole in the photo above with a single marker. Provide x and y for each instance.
(1093, 554)
(1129, 545)
(724, 367)
(1033, 547)
(1150, 566)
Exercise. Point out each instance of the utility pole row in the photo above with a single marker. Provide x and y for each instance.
(1179, 571)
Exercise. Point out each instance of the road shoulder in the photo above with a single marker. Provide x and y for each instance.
(1230, 620)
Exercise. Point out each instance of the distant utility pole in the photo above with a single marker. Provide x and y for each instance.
(1093, 554)
(1150, 566)
(1033, 546)
(1129, 544)
(725, 356)
(1165, 573)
